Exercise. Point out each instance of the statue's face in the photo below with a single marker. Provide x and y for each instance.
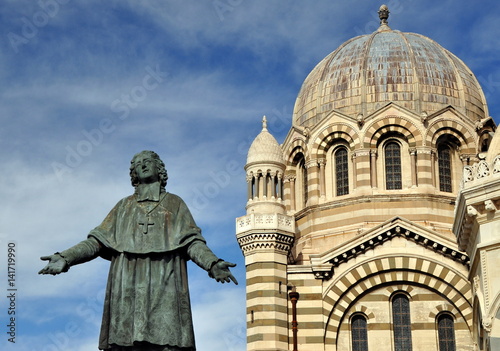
(145, 168)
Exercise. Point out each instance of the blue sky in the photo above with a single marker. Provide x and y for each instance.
(87, 84)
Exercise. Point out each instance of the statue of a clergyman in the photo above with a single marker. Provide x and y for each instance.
(148, 237)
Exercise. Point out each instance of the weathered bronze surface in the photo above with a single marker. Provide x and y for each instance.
(148, 237)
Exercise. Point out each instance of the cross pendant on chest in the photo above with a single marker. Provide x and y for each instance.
(145, 225)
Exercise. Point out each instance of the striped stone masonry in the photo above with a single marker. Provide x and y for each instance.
(266, 240)
(420, 138)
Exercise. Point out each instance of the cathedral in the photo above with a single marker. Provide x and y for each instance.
(376, 225)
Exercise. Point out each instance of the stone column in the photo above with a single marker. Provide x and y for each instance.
(322, 185)
(250, 186)
(354, 171)
(313, 186)
(280, 186)
(413, 161)
(362, 168)
(272, 185)
(258, 186)
(433, 167)
(373, 168)
(424, 168)
(291, 183)
(265, 180)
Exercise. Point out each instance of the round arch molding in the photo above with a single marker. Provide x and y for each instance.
(458, 130)
(392, 124)
(392, 270)
(333, 132)
(296, 146)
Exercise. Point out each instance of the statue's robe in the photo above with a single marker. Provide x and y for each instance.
(147, 298)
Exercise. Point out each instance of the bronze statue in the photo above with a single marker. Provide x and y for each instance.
(148, 237)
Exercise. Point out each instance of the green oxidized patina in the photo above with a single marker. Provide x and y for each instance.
(148, 237)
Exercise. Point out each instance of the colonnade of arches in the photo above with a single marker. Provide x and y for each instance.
(265, 185)
(349, 312)
(392, 157)
(402, 327)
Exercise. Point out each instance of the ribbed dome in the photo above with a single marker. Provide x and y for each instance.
(265, 148)
(369, 71)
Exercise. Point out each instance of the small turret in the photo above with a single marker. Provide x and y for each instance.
(265, 168)
(266, 236)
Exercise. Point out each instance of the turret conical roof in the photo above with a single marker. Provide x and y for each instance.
(265, 148)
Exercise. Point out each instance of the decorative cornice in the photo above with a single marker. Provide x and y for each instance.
(349, 201)
(323, 265)
(275, 242)
(323, 272)
(271, 221)
(389, 234)
(273, 231)
(262, 164)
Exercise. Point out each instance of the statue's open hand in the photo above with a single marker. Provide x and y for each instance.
(220, 272)
(56, 265)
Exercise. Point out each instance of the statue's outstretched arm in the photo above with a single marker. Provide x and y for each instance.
(80, 253)
(217, 268)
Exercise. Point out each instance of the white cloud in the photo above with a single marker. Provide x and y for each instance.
(219, 320)
(223, 76)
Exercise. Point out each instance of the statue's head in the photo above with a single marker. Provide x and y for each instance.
(160, 166)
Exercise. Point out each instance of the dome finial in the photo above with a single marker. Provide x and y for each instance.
(264, 123)
(383, 14)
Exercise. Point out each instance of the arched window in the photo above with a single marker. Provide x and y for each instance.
(341, 171)
(401, 323)
(301, 182)
(359, 333)
(444, 165)
(303, 170)
(393, 166)
(446, 332)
